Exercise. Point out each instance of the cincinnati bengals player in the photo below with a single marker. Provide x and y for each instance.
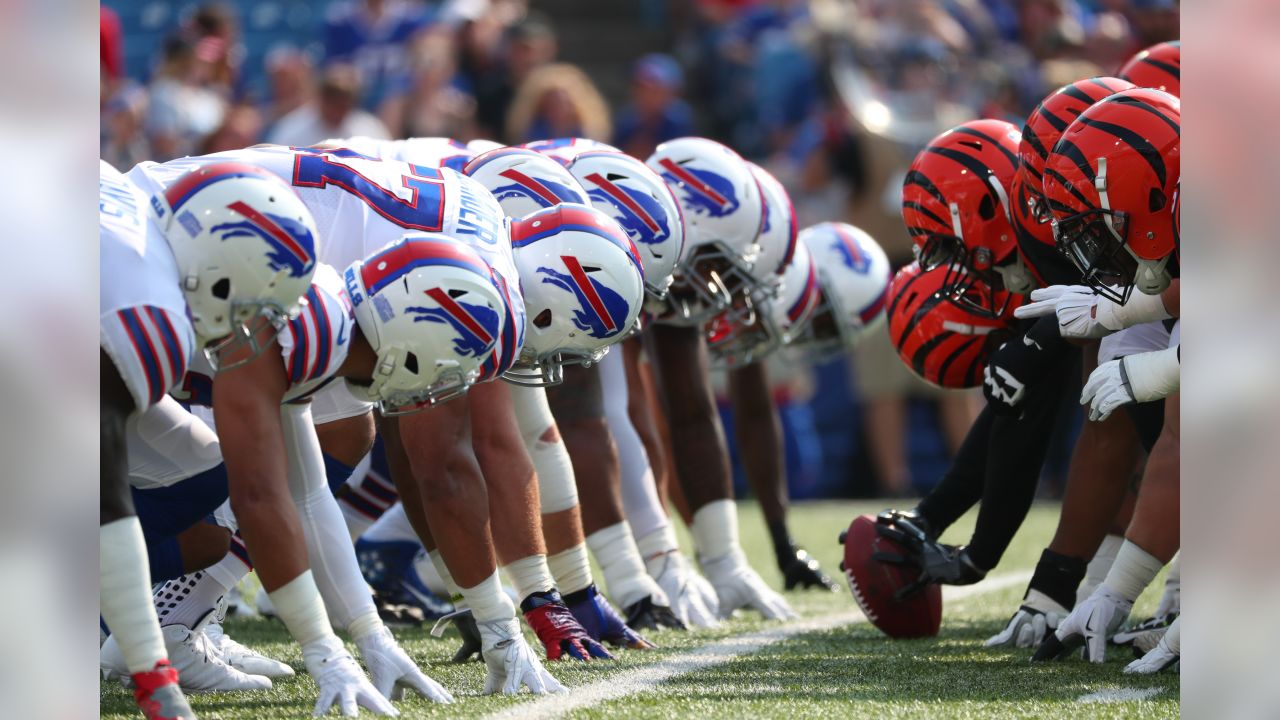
(1159, 67)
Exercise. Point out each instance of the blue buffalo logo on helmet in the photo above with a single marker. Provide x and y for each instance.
(543, 191)
(703, 191)
(637, 212)
(601, 312)
(290, 246)
(477, 326)
(850, 251)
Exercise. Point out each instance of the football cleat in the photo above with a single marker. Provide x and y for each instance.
(557, 628)
(388, 567)
(199, 667)
(1148, 632)
(158, 696)
(465, 623)
(649, 615)
(801, 570)
(602, 621)
(246, 660)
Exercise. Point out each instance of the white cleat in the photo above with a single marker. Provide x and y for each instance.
(244, 659)
(190, 652)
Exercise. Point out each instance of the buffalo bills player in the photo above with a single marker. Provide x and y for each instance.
(226, 252)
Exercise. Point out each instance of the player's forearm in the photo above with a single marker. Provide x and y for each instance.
(759, 435)
(272, 532)
(1154, 527)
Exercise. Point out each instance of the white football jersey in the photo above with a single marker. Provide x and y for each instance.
(144, 326)
(361, 204)
(430, 151)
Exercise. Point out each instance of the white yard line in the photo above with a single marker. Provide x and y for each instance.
(643, 679)
(1115, 695)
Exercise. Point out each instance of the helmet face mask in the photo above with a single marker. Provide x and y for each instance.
(249, 337)
(708, 281)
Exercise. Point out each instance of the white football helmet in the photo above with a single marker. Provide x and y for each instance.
(724, 211)
(430, 308)
(246, 249)
(853, 276)
(564, 150)
(774, 322)
(583, 287)
(778, 236)
(628, 191)
(524, 181)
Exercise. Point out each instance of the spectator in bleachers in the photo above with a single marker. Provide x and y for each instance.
(241, 128)
(657, 113)
(111, 50)
(555, 101)
(290, 82)
(528, 45)
(216, 37)
(429, 102)
(373, 36)
(124, 142)
(335, 113)
(183, 108)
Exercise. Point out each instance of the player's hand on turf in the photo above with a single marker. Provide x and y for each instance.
(341, 680)
(1038, 616)
(648, 614)
(737, 585)
(1107, 389)
(1162, 656)
(693, 600)
(1092, 621)
(801, 570)
(393, 671)
(511, 664)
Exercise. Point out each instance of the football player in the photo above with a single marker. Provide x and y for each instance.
(222, 275)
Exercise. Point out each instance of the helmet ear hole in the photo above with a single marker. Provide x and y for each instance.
(987, 208)
(411, 362)
(1156, 200)
(222, 289)
(543, 320)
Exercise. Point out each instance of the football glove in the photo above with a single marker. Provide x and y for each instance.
(1076, 307)
(1107, 389)
(558, 629)
(393, 671)
(510, 662)
(465, 623)
(800, 570)
(601, 620)
(693, 600)
(1151, 627)
(738, 586)
(647, 614)
(1038, 616)
(341, 680)
(1165, 654)
(938, 563)
(1090, 624)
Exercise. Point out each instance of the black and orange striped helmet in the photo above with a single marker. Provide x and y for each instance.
(944, 343)
(1110, 183)
(1159, 67)
(955, 203)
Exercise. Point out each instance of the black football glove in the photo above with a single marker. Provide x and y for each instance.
(938, 563)
(1019, 364)
(801, 570)
(645, 614)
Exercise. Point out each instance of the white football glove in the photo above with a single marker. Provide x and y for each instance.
(738, 585)
(341, 680)
(1090, 623)
(1044, 301)
(511, 662)
(1038, 616)
(1163, 655)
(392, 669)
(1107, 389)
(691, 597)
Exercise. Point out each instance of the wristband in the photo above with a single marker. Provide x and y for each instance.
(715, 529)
(1132, 572)
(1153, 375)
(1139, 309)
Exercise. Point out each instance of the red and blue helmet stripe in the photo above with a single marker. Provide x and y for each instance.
(581, 218)
(193, 182)
(808, 298)
(870, 311)
(417, 251)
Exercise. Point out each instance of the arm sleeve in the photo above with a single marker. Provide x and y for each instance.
(643, 508)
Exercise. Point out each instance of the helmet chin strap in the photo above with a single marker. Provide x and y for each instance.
(1017, 278)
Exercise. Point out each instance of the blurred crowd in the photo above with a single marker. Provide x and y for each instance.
(833, 96)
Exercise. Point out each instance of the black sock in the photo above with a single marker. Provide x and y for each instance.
(784, 547)
(1058, 577)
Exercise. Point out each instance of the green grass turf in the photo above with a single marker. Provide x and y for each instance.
(852, 671)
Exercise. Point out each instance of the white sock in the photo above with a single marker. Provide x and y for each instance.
(529, 575)
(229, 571)
(487, 600)
(571, 569)
(1133, 571)
(455, 593)
(126, 594)
(393, 526)
(1099, 565)
(620, 561)
(188, 599)
(715, 529)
